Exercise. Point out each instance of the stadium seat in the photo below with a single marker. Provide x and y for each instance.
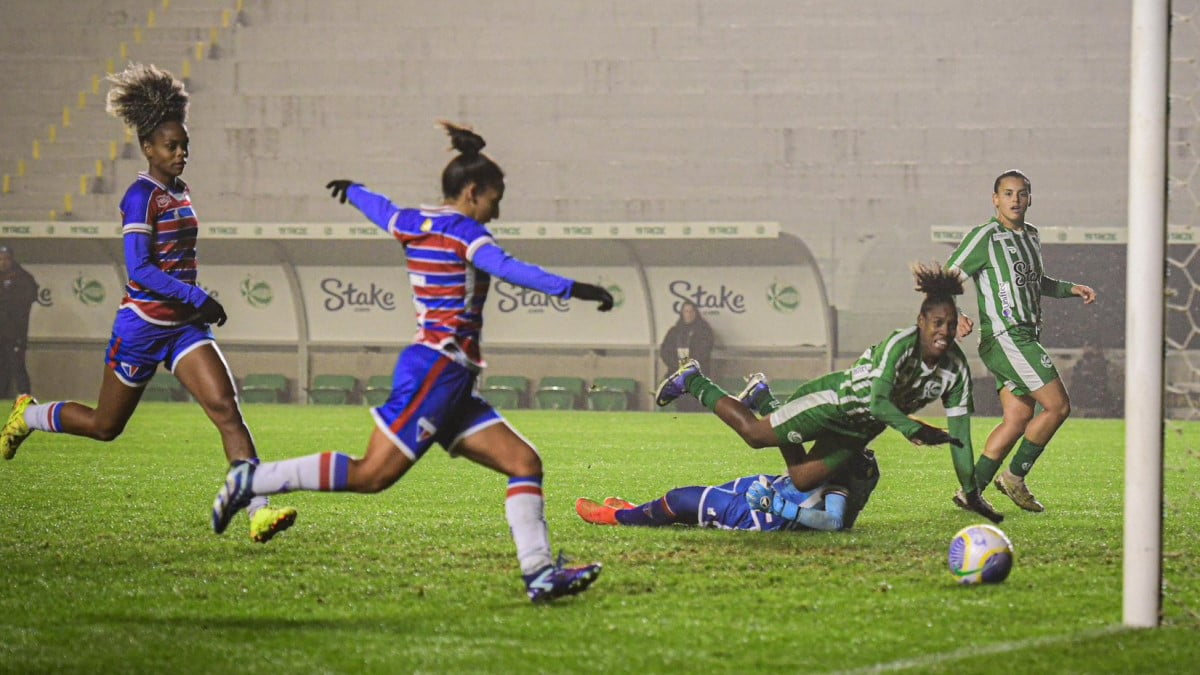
(611, 393)
(164, 387)
(333, 389)
(559, 393)
(505, 391)
(264, 388)
(379, 387)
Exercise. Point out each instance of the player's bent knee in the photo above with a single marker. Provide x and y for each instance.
(107, 432)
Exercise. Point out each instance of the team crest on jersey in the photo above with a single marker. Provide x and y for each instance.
(795, 437)
(426, 429)
(162, 201)
(1046, 361)
(933, 388)
(427, 226)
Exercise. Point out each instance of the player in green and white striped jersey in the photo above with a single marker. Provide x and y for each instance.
(1004, 257)
(839, 413)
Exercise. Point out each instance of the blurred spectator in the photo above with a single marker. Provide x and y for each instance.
(690, 337)
(18, 291)
(1091, 393)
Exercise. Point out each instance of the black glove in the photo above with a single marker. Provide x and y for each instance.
(211, 311)
(338, 188)
(929, 435)
(595, 293)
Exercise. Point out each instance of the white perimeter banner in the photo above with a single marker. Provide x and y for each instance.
(258, 300)
(361, 305)
(515, 315)
(747, 306)
(75, 301)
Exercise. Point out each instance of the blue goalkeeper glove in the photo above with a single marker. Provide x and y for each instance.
(761, 496)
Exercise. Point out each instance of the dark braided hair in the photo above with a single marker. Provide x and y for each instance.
(938, 283)
(471, 165)
(144, 96)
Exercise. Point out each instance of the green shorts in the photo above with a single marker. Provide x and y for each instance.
(1019, 362)
(812, 415)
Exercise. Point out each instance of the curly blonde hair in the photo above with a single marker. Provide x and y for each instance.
(144, 96)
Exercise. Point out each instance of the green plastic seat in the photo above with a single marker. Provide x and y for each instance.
(264, 388)
(611, 393)
(559, 393)
(378, 388)
(164, 387)
(333, 389)
(505, 391)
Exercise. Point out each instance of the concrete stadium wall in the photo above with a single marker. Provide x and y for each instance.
(855, 125)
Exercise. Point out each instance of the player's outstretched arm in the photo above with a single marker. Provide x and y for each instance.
(141, 268)
(497, 262)
(377, 208)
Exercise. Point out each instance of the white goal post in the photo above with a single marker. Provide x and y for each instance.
(1144, 313)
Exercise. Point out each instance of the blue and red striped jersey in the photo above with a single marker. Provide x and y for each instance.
(166, 216)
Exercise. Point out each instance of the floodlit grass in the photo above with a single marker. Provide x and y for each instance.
(109, 563)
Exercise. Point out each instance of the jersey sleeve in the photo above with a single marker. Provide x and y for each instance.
(141, 268)
(970, 255)
(1056, 288)
(137, 213)
(377, 208)
(497, 262)
(884, 359)
(959, 398)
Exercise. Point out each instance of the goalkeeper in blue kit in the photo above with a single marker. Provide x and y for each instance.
(757, 502)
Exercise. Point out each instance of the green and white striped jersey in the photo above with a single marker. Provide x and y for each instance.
(1009, 279)
(914, 384)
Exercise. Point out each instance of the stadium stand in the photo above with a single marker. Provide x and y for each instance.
(559, 392)
(506, 391)
(331, 389)
(264, 388)
(611, 393)
(378, 388)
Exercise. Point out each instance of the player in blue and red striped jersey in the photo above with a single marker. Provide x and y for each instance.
(164, 317)
(757, 502)
(451, 257)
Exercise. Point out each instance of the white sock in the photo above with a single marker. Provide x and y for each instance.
(525, 508)
(325, 472)
(45, 416)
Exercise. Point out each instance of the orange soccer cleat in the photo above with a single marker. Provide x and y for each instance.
(596, 514)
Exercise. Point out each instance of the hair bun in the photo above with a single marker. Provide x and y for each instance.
(463, 139)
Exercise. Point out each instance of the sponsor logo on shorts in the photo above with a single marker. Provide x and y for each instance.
(795, 437)
(129, 370)
(426, 429)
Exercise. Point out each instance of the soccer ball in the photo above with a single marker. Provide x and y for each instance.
(980, 554)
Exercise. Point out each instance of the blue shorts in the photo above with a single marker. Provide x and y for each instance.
(433, 400)
(725, 507)
(138, 346)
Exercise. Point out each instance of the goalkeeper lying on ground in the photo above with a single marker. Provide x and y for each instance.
(750, 503)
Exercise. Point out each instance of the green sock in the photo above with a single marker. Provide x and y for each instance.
(1027, 454)
(706, 391)
(964, 467)
(985, 471)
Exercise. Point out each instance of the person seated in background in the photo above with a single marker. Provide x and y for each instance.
(1090, 391)
(690, 338)
(757, 502)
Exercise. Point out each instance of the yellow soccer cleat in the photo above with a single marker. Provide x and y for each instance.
(15, 430)
(270, 521)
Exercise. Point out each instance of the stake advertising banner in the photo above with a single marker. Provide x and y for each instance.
(515, 315)
(258, 300)
(358, 305)
(76, 302)
(747, 306)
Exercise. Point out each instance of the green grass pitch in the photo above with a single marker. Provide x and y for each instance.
(108, 562)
